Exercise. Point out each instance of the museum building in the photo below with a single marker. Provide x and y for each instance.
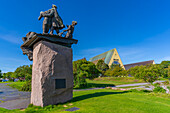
(112, 57)
(109, 57)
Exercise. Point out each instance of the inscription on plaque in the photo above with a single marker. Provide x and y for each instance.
(60, 83)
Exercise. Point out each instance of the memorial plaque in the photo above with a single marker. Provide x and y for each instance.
(60, 83)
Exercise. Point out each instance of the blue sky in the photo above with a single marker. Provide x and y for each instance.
(138, 29)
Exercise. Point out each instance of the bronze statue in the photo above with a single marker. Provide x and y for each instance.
(47, 21)
(52, 20)
(70, 30)
(29, 35)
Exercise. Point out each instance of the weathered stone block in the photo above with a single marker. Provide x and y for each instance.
(52, 75)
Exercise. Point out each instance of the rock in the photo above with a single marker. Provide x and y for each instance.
(52, 75)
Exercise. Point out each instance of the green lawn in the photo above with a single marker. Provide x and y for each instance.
(98, 82)
(17, 85)
(112, 81)
(108, 101)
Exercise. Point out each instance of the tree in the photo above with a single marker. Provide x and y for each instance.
(83, 69)
(9, 75)
(102, 66)
(165, 64)
(117, 71)
(24, 72)
(148, 73)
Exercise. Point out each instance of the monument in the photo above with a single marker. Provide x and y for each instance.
(52, 73)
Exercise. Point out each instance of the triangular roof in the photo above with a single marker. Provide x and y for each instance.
(108, 57)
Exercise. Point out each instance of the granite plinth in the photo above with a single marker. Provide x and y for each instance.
(52, 65)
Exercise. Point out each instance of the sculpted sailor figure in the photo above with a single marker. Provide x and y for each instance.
(70, 30)
(52, 20)
(47, 21)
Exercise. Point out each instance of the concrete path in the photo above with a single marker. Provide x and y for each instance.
(126, 85)
(136, 84)
(13, 99)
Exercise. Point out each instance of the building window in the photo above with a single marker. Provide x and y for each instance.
(115, 62)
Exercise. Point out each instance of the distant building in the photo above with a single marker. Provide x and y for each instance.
(128, 66)
(109, 57)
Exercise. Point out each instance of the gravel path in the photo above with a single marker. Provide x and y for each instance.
(13, 99)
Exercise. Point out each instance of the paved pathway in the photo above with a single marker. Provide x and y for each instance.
(136, 84)
(13, 99)
(126, 85)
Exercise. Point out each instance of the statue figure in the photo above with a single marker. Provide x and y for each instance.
(28, 36)
(52, 20)
(47, 21)
(70, 30)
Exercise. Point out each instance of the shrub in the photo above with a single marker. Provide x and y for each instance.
(166, 83)
(156, 84)
(102, 66)
(83, 69)
(168, 87)
(116, 72)
(26, 86)
(80, 81)
(139, 91)
(159, 90)
(148, 73)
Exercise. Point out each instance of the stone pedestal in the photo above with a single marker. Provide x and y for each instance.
(52, 75)
(52, 72)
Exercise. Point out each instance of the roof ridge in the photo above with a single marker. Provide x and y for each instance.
(139, 62)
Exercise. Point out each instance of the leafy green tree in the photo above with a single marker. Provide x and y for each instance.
(102, 66)
(24, 72)
(83, 69)
(165, 64)
(148, 73)
(114, 65)
(117, 71)
(9, 75)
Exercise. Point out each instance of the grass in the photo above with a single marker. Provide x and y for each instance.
(98, 82)
(131, 86)
(17, 85)
(112, 81)
(107, 101)
(165, 79)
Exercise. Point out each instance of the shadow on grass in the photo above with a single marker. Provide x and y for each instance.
(95, 85)
(98, 94)
(99, 85)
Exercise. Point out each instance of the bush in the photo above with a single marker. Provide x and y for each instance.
(168, 87)
(159, 90)
(117, 71)
(148, 73)
(139, 91)
(26, 86)
(83, 69)
(157, 84)
(80, 81)
(102, 66)
(166, 83)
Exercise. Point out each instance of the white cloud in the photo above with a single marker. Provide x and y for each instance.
(10, 64)
(131, 54)
(13, 38)
(167, 58)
